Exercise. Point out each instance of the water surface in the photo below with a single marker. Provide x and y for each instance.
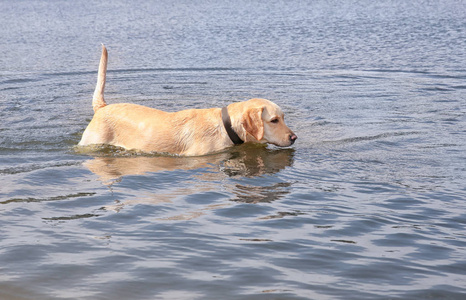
(368, 204)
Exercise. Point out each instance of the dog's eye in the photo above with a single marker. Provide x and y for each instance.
(274, 120)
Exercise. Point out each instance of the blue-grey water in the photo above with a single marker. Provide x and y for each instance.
(370, 203)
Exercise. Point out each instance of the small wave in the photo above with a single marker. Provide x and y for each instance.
(19, 80)
(76, 73)
(46, 199)
(344, 241)
(73, 217)
(372, 137)
(436, 89)
(399, 71)
(34, 167)
(145, 70)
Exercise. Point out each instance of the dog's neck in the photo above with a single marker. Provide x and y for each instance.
(229, 129)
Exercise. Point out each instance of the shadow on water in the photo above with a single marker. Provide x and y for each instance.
(237, 174)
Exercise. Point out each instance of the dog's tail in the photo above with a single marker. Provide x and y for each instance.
(98, 98)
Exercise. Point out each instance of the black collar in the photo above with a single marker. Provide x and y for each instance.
(227, 124)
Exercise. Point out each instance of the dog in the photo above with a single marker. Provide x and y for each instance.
(192, 132)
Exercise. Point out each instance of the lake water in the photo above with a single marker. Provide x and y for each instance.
(370, 203)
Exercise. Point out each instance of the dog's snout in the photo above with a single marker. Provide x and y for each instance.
(293, 138)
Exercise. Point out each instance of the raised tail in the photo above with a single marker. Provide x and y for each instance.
(98, 98)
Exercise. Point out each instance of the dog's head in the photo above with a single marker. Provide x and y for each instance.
(263, 121)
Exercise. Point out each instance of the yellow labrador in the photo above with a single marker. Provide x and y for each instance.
(189, 132)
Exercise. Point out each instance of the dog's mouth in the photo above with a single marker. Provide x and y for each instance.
(290, 141)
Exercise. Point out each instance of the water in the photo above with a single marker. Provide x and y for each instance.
(368, 204)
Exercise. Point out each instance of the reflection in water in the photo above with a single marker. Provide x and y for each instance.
(255, 194)
(245, 160)
(210, 175)
(257, 161)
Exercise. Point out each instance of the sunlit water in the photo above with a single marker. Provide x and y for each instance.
(368, 204)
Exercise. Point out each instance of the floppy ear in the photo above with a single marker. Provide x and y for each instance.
(253, 124)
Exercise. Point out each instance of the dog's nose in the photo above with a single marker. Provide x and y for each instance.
(293, 138)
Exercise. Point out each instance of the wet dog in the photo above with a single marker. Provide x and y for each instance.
(188, 132)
